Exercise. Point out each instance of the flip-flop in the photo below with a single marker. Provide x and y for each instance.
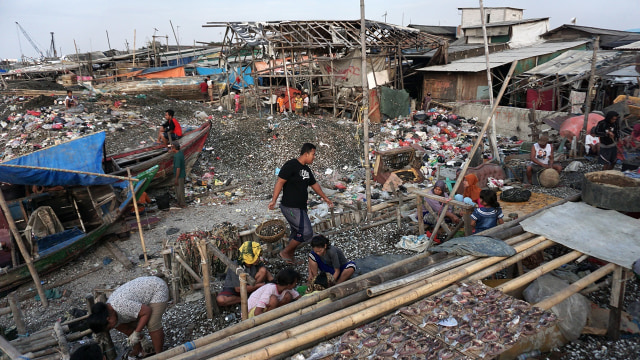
(289, 261)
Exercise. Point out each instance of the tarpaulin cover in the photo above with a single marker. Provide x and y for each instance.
(217, 75)
(605, 234)
(81, 154)
(394, 103)
(573, 125)
(475, 245)
(162, 72)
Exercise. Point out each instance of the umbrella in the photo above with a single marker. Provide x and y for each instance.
(573, 125)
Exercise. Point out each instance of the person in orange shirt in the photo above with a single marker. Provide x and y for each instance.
(281, 107)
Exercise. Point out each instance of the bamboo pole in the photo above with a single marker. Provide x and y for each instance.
(539, 271)
(426, 274)
(202, 247)
(559, 297)
(237, 269)
(510, 261)
(244, 306)
(62, 341)
(475, 147)
(10, 350)
(186, 266)
(355, 315)
(23, 250)
(175, 285)
(135, 207)
(18, 319)
(286, 79)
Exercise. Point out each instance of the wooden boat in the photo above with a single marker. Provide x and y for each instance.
(59, 210)
(191, 143)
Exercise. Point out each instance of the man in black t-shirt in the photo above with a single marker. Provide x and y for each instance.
(293, 180)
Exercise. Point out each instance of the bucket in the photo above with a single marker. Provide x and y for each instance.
(163, 201)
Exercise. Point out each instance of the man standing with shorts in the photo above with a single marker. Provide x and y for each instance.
(293, 180)
(134, 305)
(608, 131)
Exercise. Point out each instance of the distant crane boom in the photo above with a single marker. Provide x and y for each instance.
(24, 32)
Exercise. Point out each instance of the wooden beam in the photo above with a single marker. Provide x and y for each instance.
(616, 303)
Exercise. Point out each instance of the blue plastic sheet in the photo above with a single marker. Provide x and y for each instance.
(81, 154)
(218, 75)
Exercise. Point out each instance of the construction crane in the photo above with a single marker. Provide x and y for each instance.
(30, 41)
(52, 48)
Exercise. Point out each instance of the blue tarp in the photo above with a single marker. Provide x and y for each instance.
(217, 75)
(81, 154)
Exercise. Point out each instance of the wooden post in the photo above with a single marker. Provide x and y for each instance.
(134, 200)
(202, 246)
(558, 94)
(244, 306)
(188, 268)
(17, 313)
(175, 285)
(90, 302)
(588, 98)
(222, 257)
(286, 78)
(616, 303)
(62, 341)
(25, 254)
(332, 81)
(466, 217)
(398, 211)
(9, 350)
(419, 203)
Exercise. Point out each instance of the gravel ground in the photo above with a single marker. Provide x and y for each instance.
(246, 150)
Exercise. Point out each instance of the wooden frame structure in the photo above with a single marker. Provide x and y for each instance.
(308, 51)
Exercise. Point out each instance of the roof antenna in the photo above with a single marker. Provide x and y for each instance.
(573, 20)
(385, 16)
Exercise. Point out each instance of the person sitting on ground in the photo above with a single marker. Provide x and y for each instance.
(171, 130)
(132, 306)
(271, 296)
(608, 130)
(541, 158)
(91, 351)
(592, 143)
(281, 107)
(70, 101)
(489, 215)
(428, 217)
(330, 259)
(249, 259)
(471, 192)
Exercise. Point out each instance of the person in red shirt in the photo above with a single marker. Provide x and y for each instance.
(171, 130)
(204, 90)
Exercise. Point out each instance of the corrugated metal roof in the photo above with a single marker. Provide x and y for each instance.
(629, 71)
(573, 62)
(478, 63)
(632, 46)
(587, 29)
(506, 23)
(436, 30)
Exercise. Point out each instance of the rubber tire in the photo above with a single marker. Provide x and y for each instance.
(606, 196)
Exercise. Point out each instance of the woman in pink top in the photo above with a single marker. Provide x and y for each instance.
(271, 296)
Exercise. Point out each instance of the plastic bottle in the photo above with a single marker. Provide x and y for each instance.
(528, 355)
(230, 317)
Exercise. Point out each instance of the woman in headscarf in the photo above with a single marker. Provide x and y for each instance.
(249, 258)
(629, 146)
(471, 193)
(439, 189)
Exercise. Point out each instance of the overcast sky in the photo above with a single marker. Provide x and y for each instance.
(87, 22)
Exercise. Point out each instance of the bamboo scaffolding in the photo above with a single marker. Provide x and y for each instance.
(559, 297)
(339, 291)
(539, 271)
(338, 322)
(202, 247)
(188, 268)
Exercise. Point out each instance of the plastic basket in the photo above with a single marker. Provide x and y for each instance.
(280, 228)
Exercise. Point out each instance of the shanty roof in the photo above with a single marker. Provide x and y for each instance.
(573, 62)
(507, 23)
(587, 29)
(478, 63)
(44, 68)
(327, 33)
(495, 7)
(436, 30)
(629, 71)
(631, 46)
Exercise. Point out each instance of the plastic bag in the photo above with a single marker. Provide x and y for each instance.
(572, 313)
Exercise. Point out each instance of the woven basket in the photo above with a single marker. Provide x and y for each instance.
(271, 238)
